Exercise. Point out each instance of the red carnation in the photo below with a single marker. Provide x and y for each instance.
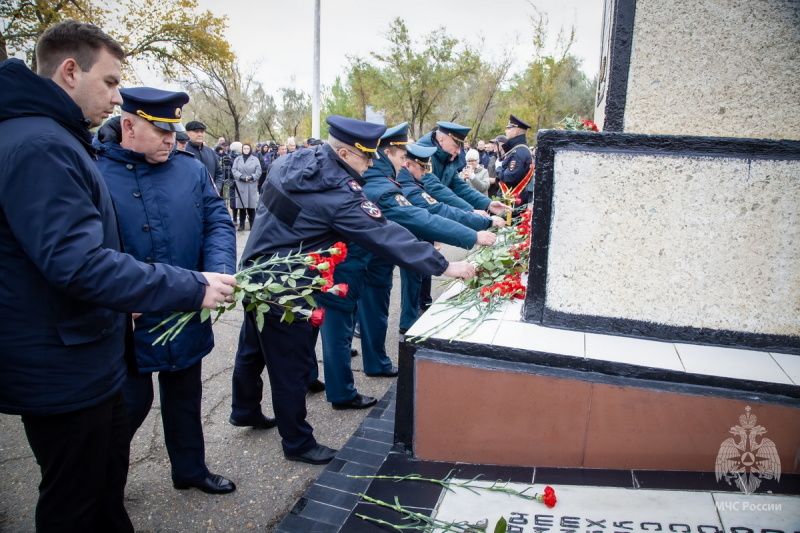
(317, 316)
(340, 289)
(549, 497)
(338, 253)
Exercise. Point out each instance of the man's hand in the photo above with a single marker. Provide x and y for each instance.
(219, 289)
(498, 207)
(460, 269)
(498, 222)
(481, 212)
(486, 238)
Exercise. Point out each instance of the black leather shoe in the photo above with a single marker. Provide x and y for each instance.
(213, 484)
(316, 386)
(359, 402)
(259, 422)
(318, 455)
(391, 373)
(402, 331)
(353, 352)
(357, 330)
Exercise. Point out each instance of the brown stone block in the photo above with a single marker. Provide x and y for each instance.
(653, 430)
(498, 417)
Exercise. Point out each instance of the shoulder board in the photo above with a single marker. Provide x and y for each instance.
(184, 152)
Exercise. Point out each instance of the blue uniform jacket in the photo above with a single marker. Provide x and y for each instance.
(447, 172)
(516, 163)
(169, 213)
(312, 199)
(416, 193)
(383, 190)
(64, 286)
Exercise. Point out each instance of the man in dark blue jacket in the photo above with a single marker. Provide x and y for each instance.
(313, 198)
(174, 216)
(449, 160)
(65, 288)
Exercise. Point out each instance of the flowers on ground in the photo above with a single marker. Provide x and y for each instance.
(285, 284)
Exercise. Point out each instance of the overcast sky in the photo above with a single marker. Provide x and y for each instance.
(278, 36)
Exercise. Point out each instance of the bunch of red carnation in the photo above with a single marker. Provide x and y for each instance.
(524, 226)
(509, 287)
(326, 265)
(588, 125)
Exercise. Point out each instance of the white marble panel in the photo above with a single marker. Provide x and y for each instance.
(731, 363)
(758, 512)
(533, 337)
(790, 364)
(583, 508)
(652, 354)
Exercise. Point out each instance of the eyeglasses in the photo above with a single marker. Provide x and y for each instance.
(360, 155)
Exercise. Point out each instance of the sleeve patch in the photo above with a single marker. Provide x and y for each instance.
(371, 209)
(401, 200)
(428, 198)
(512, 165)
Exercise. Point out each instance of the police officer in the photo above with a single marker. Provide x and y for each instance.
(314, 198)
(159, 222)
(204, 153)
(517, 168)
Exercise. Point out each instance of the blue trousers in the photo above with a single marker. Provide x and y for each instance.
(181, 392)
(410, 283)
(287, 351)
(373, 314)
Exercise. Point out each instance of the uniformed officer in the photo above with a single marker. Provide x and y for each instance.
(517, 168)
(173, 216)
(448, 161)
(369, 277)
(415, 167)
(313, 198)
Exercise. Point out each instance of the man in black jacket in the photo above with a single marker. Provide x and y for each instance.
(204, 153)
(66, 290)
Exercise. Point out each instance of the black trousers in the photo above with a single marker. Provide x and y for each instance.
(287, 350)
(83, 456)
(181, 395)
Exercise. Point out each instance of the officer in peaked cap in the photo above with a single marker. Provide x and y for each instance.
(517, 169)
(443, 182)
(456, 131)
(337, 330)
(179, 221)
(514, 122)
(362, 135)
(312, 199)
(160, 108)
